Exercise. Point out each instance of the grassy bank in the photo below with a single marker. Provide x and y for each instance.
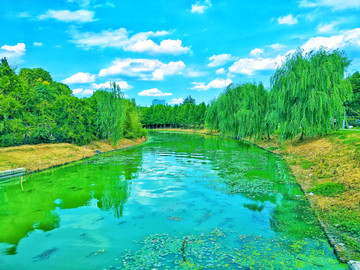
(43, 156)
(328, 171)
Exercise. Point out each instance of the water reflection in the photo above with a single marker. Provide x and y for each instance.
(66, 187)
(230, 198)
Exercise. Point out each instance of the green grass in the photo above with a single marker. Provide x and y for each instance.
(305, 164)
(329, 189)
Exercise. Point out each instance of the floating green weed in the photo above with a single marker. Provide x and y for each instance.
(209, 251)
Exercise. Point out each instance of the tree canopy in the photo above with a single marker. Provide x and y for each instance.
(188, 115)
(35, 109)
(309, 91)
(306, 98)
(240, 111)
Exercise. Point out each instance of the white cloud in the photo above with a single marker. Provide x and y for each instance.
(80, 16)
(37, 44)
(347, 38)
(194, 73)
(168, 69)
(80, 77)
(256, 52)
(220, 71)
(18, 48)
(289, 19)
(176, 101)
(200, 7)
(249, 66)
(220, 59)
(277, 46)
(154, 92)
(13, 52)
(217, 83)
(334, 4)
(145, 69)
(83, 91)
(166, 46)
(195, 8)
(122, 84)
(139, 42)
(326, 28)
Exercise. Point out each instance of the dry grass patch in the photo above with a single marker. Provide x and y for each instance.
(43, 156)
(330, 167)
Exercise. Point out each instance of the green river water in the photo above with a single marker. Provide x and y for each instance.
(179, 201)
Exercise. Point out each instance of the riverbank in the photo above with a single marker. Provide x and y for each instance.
(43, 156)
(328, 171)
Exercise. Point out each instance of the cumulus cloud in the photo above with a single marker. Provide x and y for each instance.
(139, 42)
(13, 52)
(334, 4)
(347, 38)
(154, 92)
(176, 101)
(217, 83)
(220, 71)
(122, 84)
(144, 69)
(168, 69)
(80, 77)
(249, 66)
(79, 16)
(83, 91)
(220, 59)
(256, 52)
(38, 44)
(18, 48)
(168, 46)
(200, 7)
(289, 19)
(277, 46)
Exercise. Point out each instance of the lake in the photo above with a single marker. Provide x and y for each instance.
(179, 201)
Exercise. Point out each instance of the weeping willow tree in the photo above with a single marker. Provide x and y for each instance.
(110, 113)
(240, 112)
(309, 91)
(221, 114)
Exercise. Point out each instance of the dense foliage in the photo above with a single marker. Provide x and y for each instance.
(240, 111)
(35, 109)
(186, 115)
(353, 106)
(310, 92)
(306, 98)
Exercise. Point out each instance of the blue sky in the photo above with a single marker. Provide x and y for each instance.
(171, 49)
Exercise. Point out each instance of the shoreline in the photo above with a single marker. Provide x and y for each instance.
(39, 157)
(305, 160)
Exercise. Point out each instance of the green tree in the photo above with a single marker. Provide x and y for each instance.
(189, 100)
(309, 92)
(353, 107)
(110, 113)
